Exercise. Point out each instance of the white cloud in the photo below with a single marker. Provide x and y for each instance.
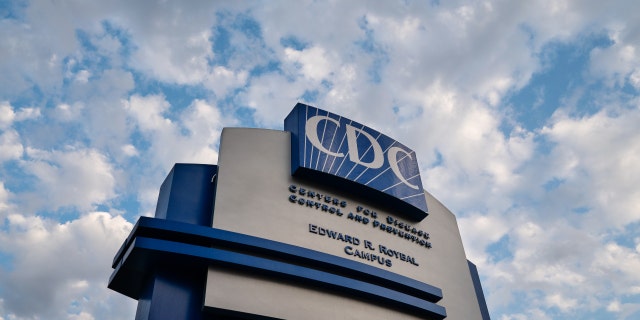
(181, 59)
(433, 76)
(129, 150)
(148, 112)
(222, 80)
(27, 114)
(619, 264)
(83, 76)
(8, 115)
(313, 62)
(203, 121)
(5, 202)
(480, 231)
(561, 302)
(191, 138)
(10, 146)
(308, 22)
(272, 105)
(79, 178)
(169, 143)
(531, 314)
(618, 62)
(61, 268)
(614, 306)
(477, 165)
(65, 112)
(598, 158)
(622, 310)
(103, 118)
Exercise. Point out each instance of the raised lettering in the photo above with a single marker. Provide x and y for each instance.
(311, 128)
(392, 154)
(354, 154)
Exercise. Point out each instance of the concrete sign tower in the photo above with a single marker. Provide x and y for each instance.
(327, 219)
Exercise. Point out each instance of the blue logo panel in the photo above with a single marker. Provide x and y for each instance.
(332, 148)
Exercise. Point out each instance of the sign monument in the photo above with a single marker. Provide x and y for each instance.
(327, 219)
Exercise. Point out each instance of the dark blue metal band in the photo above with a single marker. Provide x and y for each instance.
(156, 242)
(205, 236)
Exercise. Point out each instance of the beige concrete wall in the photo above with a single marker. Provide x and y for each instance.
(253, 198)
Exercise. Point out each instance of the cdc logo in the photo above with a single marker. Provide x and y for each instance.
(334, 149)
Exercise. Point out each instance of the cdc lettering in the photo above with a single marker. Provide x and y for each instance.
(311, 128)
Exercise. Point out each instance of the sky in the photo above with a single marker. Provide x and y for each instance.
(525, 117)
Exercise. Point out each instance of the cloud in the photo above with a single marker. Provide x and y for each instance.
(77, 178)
(99, 99)
(481, 230)
(222, 80)
(8, 115)
(41, 284)
(313, 62)
(5, 202)
(591, 176)
(10, 146)
(561, 302)
(182, 59)
(192, 138)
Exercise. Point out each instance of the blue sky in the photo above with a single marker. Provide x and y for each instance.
(524, 117)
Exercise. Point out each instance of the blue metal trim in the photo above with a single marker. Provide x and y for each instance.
(206, 236)
(144, 253)
(125, 245)
(187, 194)
(477, 286)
